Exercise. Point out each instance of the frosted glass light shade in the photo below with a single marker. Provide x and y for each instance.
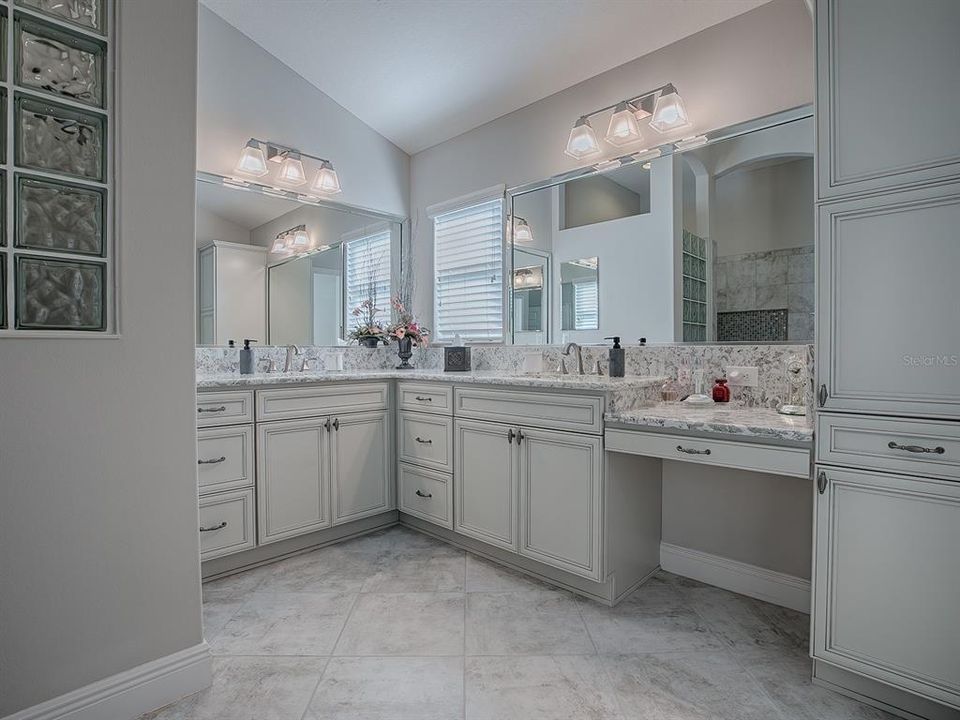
(582, 142)
(326, 181)
(298, 240)
(669, 113)
(291, 170)
(251, 161)
(279, 245)
(623, 128)
(522, 231)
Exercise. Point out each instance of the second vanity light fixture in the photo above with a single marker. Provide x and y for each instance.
(256, 155)
(295, 241)
(662, 109)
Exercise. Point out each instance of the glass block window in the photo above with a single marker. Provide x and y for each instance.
(57, 249)
(694, 288)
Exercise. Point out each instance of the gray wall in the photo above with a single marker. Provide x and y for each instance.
(245, 92)
(755, 518)
(598, 199)
(211, 226)
(754, 64)
(99, 570)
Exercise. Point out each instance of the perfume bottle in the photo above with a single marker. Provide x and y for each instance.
(721, 393)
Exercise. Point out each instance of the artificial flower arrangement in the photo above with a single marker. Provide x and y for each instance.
(368, 331)
(406, 326)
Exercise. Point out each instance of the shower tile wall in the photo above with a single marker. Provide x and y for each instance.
(771, 280)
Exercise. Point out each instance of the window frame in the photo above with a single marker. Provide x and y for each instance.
(346, 240)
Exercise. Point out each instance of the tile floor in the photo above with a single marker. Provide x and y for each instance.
(399, 626)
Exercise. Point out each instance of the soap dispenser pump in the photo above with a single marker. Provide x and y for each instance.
(246, 357)
(616, 363)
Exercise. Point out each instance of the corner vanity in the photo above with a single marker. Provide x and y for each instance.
(556, 476)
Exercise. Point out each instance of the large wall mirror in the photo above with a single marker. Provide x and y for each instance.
(280, 270)
(711, 243)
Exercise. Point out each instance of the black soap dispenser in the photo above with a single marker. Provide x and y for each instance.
(246, 357)
(616, 364)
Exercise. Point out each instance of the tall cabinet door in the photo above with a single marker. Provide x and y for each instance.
(888, 94)
(485, 482)
(360, 465)
(293, 483)
(887, 579)
(561, 500)
(888, 337)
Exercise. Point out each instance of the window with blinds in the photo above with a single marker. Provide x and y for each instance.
(366, 270)
(586, 305)
(468, 264)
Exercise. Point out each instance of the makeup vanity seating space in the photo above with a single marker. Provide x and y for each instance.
(555, 476)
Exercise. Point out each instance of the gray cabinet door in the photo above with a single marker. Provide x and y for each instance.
(360, 465)
(888, 335)
(887, 580)
(485, 482)
(561, 500)
(888, 94)
(293, 481)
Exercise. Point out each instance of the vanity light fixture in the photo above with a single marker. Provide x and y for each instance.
(669, 113)
(518, 229)
(257, 154)
(582, 142)
(291, 170)
(663, 109)
(623, 128)
(251, 161)
(295, 241)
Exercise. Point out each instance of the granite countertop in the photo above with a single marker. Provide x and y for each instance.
(720, 419)
(539, 380)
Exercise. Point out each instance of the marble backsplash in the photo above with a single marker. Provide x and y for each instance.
(661, 360)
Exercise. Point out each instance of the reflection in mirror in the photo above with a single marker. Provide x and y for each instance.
(281, 271)
(712, 244)
(580, 294)
(531, 284)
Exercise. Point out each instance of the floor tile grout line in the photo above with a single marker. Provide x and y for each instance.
(583, 621)
(306, 708)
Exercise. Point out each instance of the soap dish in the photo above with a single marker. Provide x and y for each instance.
(698, 400)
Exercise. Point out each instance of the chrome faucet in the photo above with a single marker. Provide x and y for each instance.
(291, 351)
(575, 346)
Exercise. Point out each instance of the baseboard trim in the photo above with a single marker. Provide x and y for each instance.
(131, 693)
(757, 582)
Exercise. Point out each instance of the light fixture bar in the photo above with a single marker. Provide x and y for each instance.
(635, 100)
(278, 151)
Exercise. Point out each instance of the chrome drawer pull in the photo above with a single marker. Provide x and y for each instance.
(511, 435)
(424, 399)
(424, 442)
(217, 461)
(222, 408)
(221, 526)
(692, 451)
(938, 450)
(336, 424)
(821, 482)
(424, 495)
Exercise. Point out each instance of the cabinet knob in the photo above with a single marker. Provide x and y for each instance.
(822, 395)
(511, 434)
(326, 425)
(519, 436)
(221, 526)
(336, 424)
(215, 461)
(822, 482)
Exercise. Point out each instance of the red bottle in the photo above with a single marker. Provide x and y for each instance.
(721, 393)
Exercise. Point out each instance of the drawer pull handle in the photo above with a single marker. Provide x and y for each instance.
(938, 450)
(511, 434)
(221, 526)
(692, 451)
(822, 482)
(519, 436)
(424, 495)
(215, 461)
(822, 395)
(424, 442)
(420, 398)
(336, 424)
(222, 408)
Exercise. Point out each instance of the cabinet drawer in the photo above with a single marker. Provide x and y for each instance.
(224, 458)
(744, 456)
(581, 413)
(893, 445)
(426, 440)
(425, 397)
(226, 523)
(426, 494)
(224, 408)
(303, 402)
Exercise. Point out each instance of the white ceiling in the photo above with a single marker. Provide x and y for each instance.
(423, 71)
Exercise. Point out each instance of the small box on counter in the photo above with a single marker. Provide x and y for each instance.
(456, 359)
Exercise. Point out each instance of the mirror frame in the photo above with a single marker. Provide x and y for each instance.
(711, 137)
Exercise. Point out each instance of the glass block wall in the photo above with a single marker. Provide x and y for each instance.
(694, 288)
(56, 109)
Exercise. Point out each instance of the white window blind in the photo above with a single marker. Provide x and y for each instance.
(586, 307)
(366, 268)
(468, 264)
